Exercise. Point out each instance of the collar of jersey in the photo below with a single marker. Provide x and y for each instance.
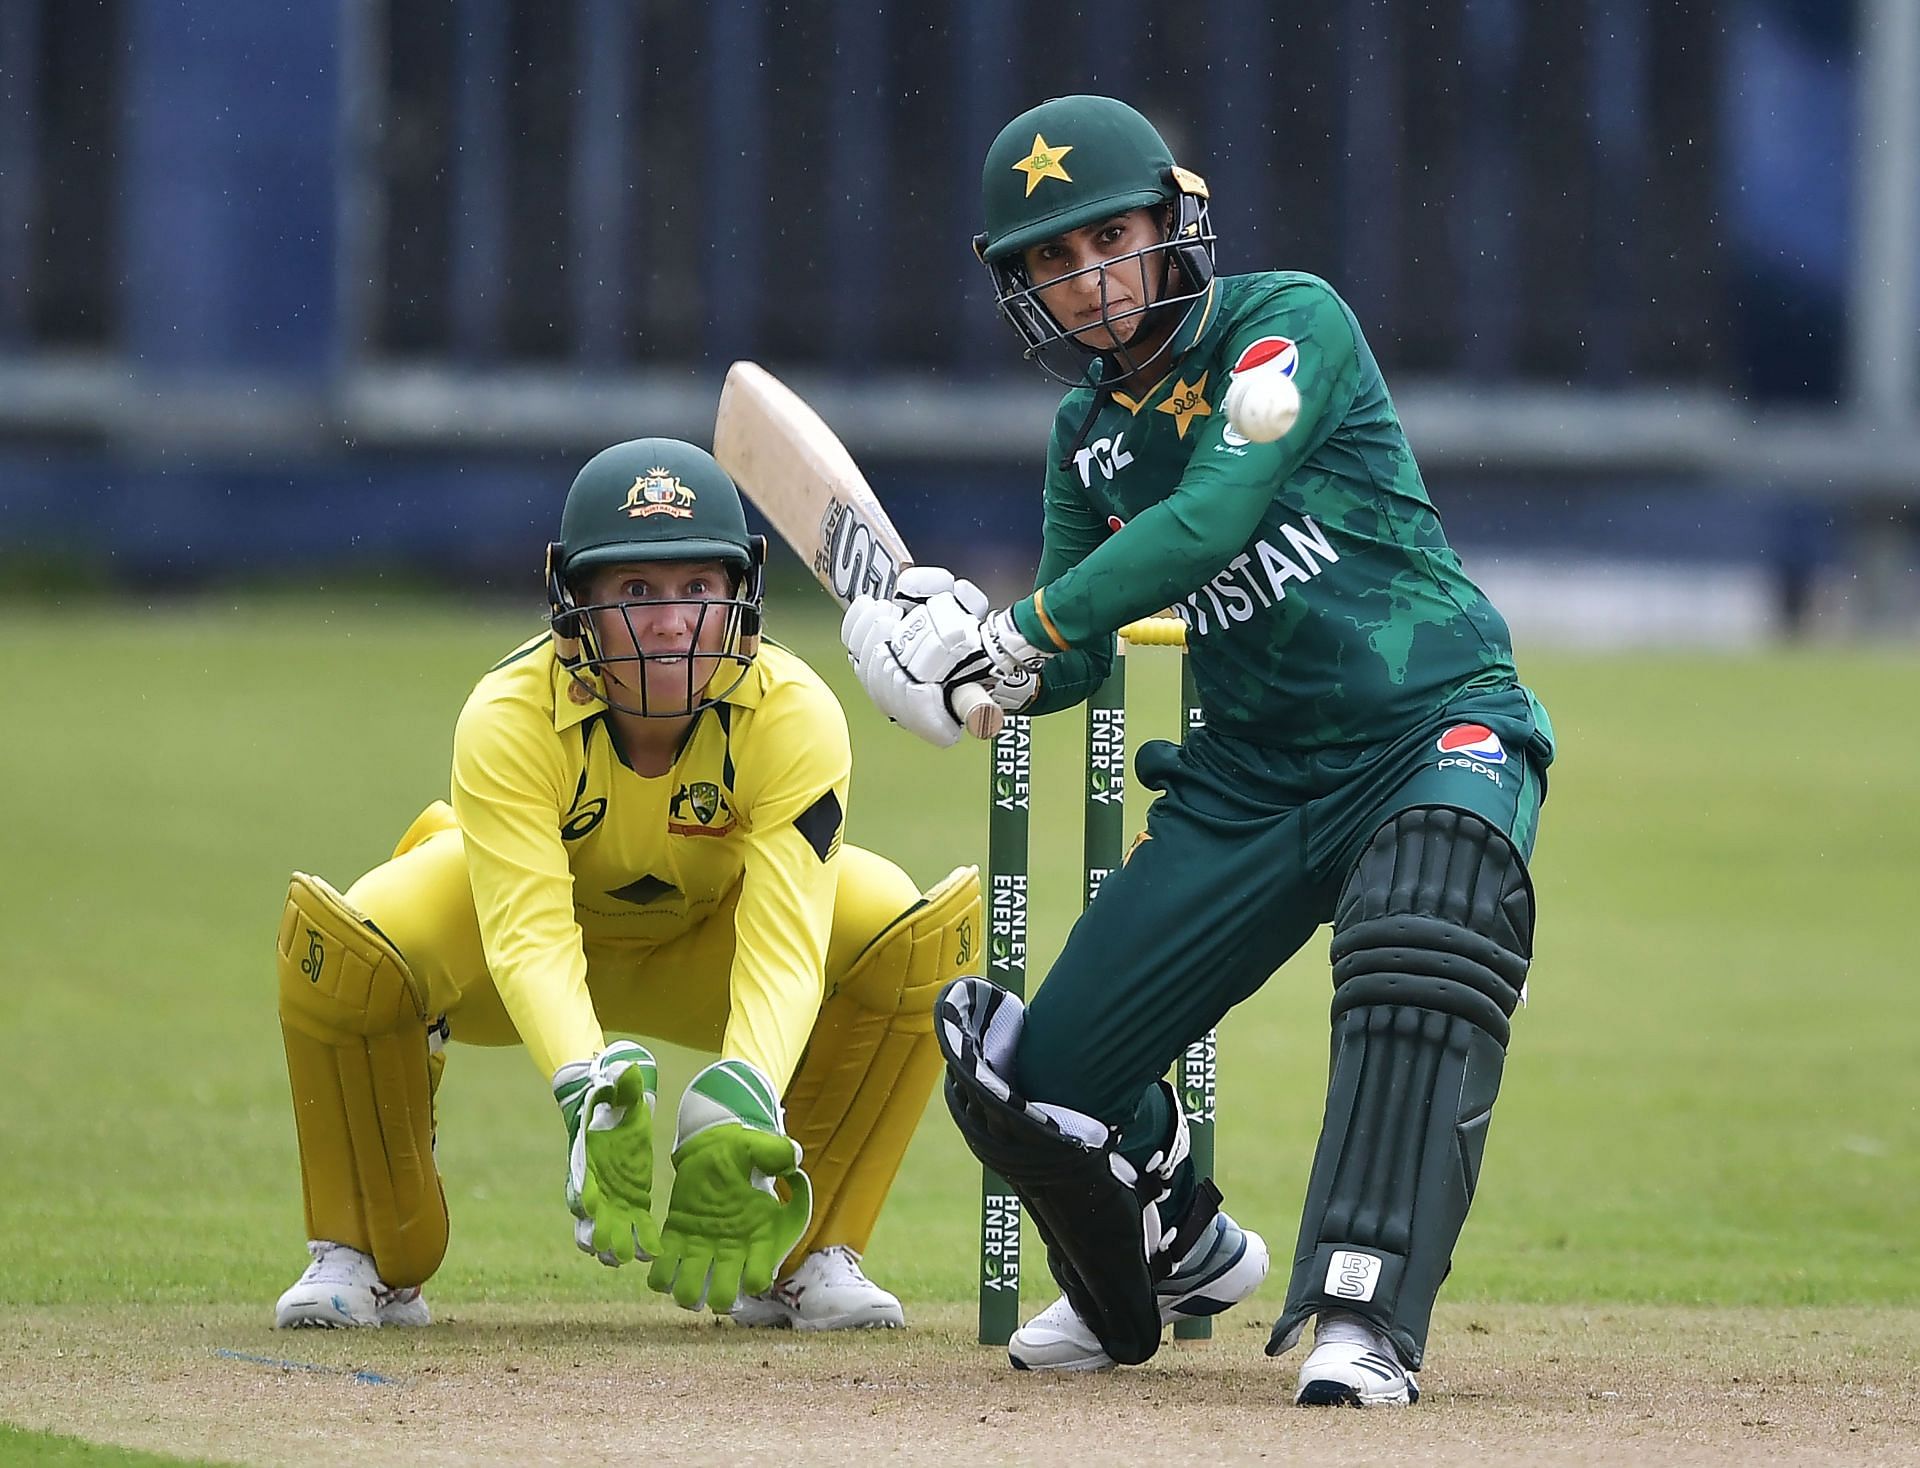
(567, 712)
(1191, 330)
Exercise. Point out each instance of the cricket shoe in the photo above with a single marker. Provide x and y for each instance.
(1220, 1271)
(827, 1292)
(1353, 1365)
(342, 1288)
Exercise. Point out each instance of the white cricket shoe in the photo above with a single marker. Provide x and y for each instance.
(1220, 1271)
(342, 1288)
(1353, 1365)
(827, 1292)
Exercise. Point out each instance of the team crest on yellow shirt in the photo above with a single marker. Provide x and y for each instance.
(699, 808)
(658, 492)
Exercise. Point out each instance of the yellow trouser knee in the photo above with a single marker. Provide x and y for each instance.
(871, 1063)
(355, 1025)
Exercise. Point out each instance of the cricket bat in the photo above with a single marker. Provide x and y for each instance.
(789, 463)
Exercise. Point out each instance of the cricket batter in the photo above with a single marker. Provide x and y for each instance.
(645, 836)
(1369, 759)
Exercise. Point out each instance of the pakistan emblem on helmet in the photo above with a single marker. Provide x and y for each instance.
(658, 492)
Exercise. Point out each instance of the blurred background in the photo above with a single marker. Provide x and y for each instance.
(309, 311)
(296, 292)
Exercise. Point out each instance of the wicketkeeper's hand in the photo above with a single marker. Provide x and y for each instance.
(607, 1103)
(727, 1229)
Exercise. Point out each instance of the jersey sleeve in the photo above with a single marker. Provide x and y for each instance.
(793, 787)
(1072, 530)
(1171, 548)
(507, 796)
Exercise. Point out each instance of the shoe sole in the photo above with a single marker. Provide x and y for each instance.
(1326, 1392)
(316, 1314)
(321, 1322)
(1104, 1363)
(838, 1322)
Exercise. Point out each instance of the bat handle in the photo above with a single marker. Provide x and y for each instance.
(981, 715)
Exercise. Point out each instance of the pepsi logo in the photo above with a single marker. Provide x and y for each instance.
(1473, 741)
(1273, 351)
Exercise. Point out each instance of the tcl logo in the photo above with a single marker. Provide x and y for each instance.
(1108, 453)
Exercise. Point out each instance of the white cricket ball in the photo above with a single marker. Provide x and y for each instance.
(1262, 404)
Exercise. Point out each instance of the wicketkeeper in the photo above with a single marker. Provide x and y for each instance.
(645, 835)
(1369, 759)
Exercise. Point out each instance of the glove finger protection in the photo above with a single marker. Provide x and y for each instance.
(607, 1103)
(918, 585)
(867, 623)
(940, 643)
(727, 1226)
(922, 708)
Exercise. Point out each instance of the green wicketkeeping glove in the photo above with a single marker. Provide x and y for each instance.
(726, 1229)
(608, 1106)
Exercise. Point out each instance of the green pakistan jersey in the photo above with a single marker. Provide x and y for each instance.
(1323, 604)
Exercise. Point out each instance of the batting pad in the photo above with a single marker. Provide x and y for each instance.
(355, 1025)
(1432, 937)
(871, 1062)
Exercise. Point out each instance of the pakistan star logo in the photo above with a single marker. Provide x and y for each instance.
(1043, 162)
(1185, 403)
(658, 492)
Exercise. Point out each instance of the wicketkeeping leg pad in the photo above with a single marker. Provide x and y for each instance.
(1433, 934)
(356, 1031)
(871, 1061)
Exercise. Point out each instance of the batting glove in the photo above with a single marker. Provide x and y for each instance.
(918, 585)
(922, 707)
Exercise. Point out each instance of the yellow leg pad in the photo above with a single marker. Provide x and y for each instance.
(872, 1061)
(355, 1026)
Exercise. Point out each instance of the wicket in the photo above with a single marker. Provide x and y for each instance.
(1103, 842)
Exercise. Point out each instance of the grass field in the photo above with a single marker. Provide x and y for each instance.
(1710, 1101)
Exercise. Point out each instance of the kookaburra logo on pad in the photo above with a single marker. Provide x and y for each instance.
(851, 560)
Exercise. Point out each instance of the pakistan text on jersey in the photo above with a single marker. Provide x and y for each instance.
(1258, 574)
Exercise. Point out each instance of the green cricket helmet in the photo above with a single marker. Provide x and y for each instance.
(1071, 162)
(654, 499)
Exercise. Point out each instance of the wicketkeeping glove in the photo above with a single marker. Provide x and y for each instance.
(727, 1229)
(607, 1103)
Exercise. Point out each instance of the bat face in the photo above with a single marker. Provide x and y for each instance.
(853, 559)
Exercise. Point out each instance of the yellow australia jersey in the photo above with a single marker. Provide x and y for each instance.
(570, 852)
